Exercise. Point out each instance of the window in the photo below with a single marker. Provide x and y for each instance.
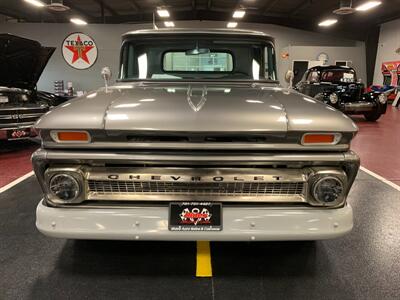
(270, 65)
(313, 77)
(207, 62)
(181, 58)
(387, 79)
(337, 76)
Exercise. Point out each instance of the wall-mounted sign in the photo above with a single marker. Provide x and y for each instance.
(323, 57)
(79, 50)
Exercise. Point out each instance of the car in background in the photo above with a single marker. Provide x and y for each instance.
(196, 141)
(338, 86)
(21, 63)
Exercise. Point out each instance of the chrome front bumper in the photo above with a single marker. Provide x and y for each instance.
(256, 223)
(359, 107)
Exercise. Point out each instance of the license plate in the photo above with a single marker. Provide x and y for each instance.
(18, 134)
(195, 216)
(3, 99)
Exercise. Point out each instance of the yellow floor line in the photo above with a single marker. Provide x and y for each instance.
(203, 260)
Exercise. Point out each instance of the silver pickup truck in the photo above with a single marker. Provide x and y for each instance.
(196, 141)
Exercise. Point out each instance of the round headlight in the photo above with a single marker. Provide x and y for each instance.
(320, 96)
(64, 187)
(328, 189)
(382, 98)
(333, 98)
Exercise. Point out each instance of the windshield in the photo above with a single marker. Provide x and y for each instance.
(198, 59)
(337, 76)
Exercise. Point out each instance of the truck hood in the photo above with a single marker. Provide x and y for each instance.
(22, 61)
(197, 108)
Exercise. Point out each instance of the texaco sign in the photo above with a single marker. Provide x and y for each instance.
(79, 51)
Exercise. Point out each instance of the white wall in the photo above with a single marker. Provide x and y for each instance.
(389, 42)
(356, 54)
(108, 39)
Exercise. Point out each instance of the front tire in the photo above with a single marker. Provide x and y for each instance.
(372, 116)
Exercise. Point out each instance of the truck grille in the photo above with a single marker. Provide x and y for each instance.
(102, 187)
(196, 183)
(20, 116)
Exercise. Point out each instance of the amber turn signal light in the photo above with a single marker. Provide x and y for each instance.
(319, 139)
(71, 136)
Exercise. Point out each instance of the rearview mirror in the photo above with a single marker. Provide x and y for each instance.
(106, 75)
(198, 51)
(289, 78)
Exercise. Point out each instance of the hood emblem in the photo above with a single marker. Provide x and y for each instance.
(190, 98)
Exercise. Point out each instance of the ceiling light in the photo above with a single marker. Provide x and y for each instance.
(36, 3)
(169, 24)
(238, 14)
(78, 21)
(232, 24)
(368, 5)
(328, 22)
(163, 13)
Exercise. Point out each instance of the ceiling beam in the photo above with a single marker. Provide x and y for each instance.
(12, 14)
(395, 14)
(303, 5)
(217, 14)
(22, 15)
(268, 6)
(209, 4)
(81, 12)
(107, 7)
(102, 13)
(134, 5)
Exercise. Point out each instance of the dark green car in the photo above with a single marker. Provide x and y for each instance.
(338, 86)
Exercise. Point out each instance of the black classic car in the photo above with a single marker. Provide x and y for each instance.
(338, 86)
(21, 63)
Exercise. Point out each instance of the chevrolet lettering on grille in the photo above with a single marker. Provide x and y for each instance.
(183, 178)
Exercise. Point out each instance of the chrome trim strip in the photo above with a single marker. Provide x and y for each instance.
(16, 126)
(43, 108)
(168, 198)
(13, 89)
(204, 174)
(190, 31)
(33, 115)
(359, 107)
(199, 146)
(20, 116)
(83, 156)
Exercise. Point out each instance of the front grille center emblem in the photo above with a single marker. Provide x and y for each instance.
(190, 98)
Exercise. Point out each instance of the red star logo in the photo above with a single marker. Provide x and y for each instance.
(79, 50)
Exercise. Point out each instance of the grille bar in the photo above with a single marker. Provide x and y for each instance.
(19, 116)
(103, 187)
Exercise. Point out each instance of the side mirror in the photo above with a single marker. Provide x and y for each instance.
(106, 75)
(289, 78)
